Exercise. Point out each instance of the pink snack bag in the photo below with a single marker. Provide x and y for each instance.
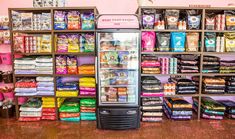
(148, 41)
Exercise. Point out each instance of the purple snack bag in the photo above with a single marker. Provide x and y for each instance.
(61, 67)
(148, 41)
(62, 43)
(148, 19)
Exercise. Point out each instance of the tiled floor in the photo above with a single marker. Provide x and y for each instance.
(204, 129)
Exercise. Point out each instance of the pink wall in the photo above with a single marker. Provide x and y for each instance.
(112, 6)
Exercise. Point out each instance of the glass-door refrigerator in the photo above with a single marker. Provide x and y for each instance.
(118, 79)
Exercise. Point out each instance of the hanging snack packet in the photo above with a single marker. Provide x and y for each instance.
(73, 43)
(178, 41)
(46, 44)
(88, 22)
(74, 22)
(230, 42)
(192, 42)
(72, 65)
(60, 20)
(148, 18)
(148, 41)
(210, 42)
(172, 17)
(62, 43)
(163, 42)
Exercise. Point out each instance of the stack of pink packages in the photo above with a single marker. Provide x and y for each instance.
(87, 86)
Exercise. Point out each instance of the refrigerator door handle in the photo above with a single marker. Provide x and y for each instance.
(96, 71)
(131, 112)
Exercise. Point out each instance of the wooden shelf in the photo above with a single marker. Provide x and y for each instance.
(218, 74)
(76, 96)
(171, 53)
(219, 31)
(208, 95)
(77, 53)
(32, 54)
(32, 31)
(73, 31)
(36, 96)
(170, 30)
(216, 53)
(32, 75)
(180, 74)
(176, 95)
(78, 75)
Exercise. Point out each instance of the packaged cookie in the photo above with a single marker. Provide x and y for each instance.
(62, 43)
(46, 44)
(230, 42)
(60, 20)
(210, 42)
(37, 3)
(73, 43)
(73, 20)
(124, 58)
(192, 42)
(172, 17)
(163, 42)
(16, 21)
(88, 22)
(148, 18)
(27, 21)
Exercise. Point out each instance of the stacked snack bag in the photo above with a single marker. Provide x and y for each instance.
(86, 69)
(26, 87)
(87, 86)
(150, 64)
(177, 109)
(45, 85)
(88, 109)
(70, 111)
(210, 108)
(49, 109)
(44, 65)
(213, 85)
(67, 87)
(31, 110)
(230, 108)
(151, 86)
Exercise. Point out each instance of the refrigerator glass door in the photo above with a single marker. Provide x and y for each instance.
(118, 58)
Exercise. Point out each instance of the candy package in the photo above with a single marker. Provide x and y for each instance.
(73, 43)
(62, 43)
(148, 41)
(163, 42)
(74, 22)
(60, 20)
(210, 42)
(178, 41)
(230, 42)
(88, 22)
(72, 65)
(192, 42)
(148, 18)
(48, 3)
(45, 21)
(172, 17)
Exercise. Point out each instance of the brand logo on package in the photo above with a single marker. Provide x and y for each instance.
(117, 22)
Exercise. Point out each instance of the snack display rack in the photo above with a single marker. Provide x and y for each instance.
(201, 52)
(53, 53)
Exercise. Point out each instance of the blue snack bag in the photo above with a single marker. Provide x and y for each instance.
(178, 41)
(60, 20)
(88, 22)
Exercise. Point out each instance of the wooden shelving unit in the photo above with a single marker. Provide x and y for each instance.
(201, 52)
(53, 53)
